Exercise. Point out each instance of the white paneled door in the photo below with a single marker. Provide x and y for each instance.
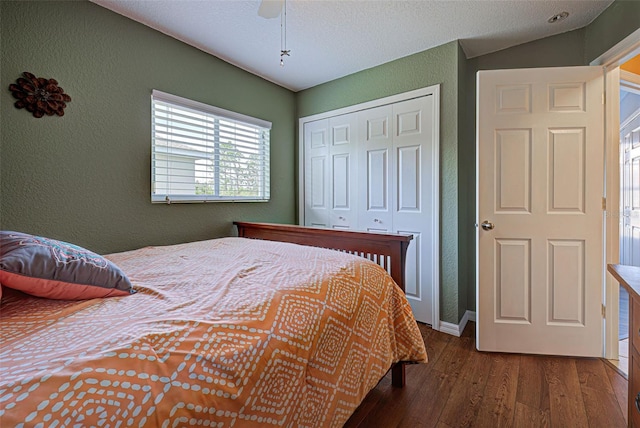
(414, 205)
(316, 173)
(540, 211)
(396, 188)
(343, 138)
(374, 172)
(330, 181)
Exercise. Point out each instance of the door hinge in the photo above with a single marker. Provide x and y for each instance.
(604, 98)
(604, 311)
(604, 204)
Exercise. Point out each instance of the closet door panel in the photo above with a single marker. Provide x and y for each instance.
(316, 173)
(408, 198)
(342, 179)
(412, 208)
(375, 183)
(378, 180)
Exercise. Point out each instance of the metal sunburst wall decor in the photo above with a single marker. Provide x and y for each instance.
(39, 96)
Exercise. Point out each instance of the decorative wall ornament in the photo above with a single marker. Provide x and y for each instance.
(39, 96)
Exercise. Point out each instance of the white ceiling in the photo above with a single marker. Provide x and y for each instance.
(329, 39)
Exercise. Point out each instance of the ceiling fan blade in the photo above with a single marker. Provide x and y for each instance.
(270, 8)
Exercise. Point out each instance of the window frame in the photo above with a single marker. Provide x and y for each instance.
(216, 114)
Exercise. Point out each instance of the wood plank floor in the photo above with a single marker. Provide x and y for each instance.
(461, 387)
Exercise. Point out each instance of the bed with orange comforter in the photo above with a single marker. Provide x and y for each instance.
(225, 332)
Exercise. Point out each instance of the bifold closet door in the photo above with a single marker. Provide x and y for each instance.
(395, 160)
(374, 169)
(343, 137)
(413, 160)
(330, 165)
(316, 170)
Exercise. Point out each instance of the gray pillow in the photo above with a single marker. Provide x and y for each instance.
(57, 270)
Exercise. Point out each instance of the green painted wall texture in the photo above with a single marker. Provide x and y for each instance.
(85, 177)
(466, 201)
(614, 24)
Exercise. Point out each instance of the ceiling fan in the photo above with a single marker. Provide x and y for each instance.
(270, 8)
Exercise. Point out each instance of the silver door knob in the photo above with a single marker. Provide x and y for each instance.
(487, 225)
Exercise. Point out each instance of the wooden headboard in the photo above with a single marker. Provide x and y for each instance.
(386, 249)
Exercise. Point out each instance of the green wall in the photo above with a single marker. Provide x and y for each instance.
(434, 66)
(85, 177)
(466, 190)
(613, 25)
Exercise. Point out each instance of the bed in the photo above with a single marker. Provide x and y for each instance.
(225, 332)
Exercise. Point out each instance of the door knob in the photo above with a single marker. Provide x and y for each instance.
(487, 225)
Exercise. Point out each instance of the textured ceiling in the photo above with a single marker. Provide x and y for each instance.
(329, 39)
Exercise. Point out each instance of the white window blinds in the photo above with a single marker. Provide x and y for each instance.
(201, 153)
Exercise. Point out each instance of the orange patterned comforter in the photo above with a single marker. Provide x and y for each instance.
(226, 332)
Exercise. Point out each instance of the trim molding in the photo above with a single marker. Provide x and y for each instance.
(392, 99)
(611, 60)
(457, 329)
(626, 49)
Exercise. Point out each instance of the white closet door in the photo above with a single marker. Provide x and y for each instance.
(374, 169)
(316, 170)
(343, 137)
(414, 209)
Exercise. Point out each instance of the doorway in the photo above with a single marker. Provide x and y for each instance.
(629, 191)
(611, 61)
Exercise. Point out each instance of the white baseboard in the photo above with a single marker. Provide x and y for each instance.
(457, 329)
(449, 328)
(472, 315)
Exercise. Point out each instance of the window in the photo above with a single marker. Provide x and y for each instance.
(201, 153)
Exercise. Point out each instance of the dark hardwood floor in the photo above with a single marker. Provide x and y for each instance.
(461, 387)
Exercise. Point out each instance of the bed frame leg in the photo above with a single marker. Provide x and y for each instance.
(397, 375)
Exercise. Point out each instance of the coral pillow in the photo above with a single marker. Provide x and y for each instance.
(57, 270)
